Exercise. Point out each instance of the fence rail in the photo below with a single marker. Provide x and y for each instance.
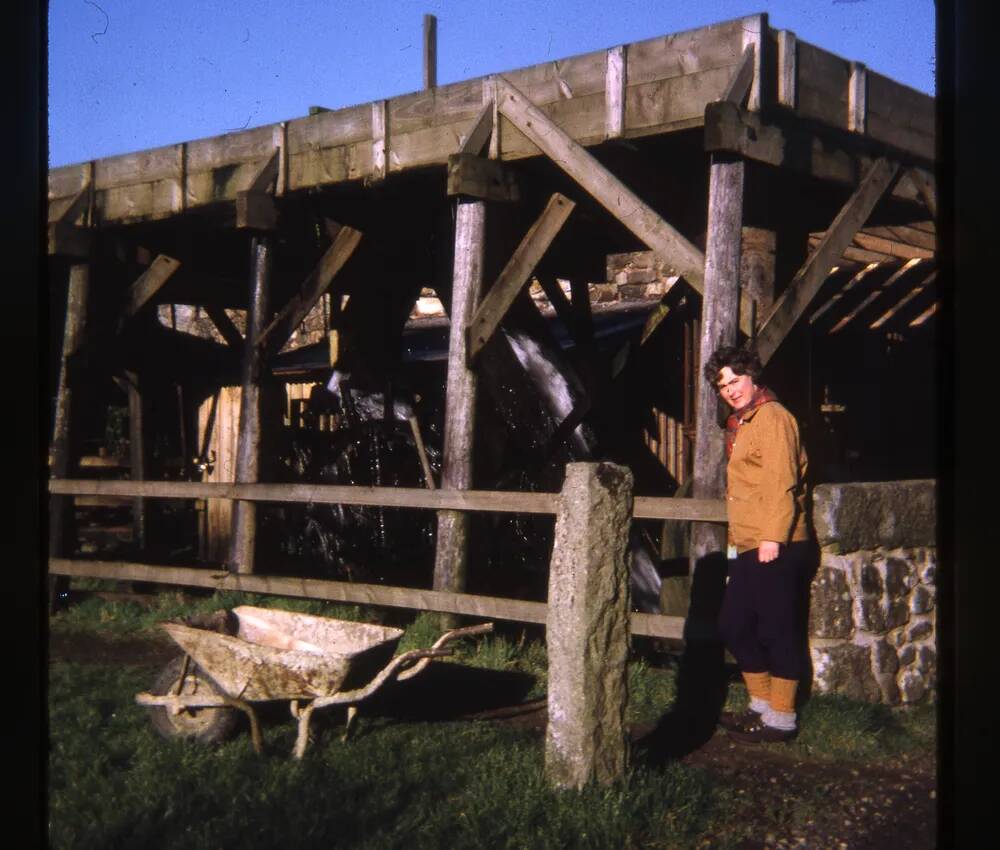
(644, 507)
(491, 607)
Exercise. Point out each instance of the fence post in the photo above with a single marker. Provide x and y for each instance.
(587, 627)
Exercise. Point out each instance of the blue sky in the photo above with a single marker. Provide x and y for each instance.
(126, 75)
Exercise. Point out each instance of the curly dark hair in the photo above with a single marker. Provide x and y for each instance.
(741, 360)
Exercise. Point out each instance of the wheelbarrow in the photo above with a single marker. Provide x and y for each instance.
(249, 655)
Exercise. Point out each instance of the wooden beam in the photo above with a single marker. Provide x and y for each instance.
(476, 177)
(430, 51)
(906, 270)
(450, 555)
(898, 306)
(739, 86)
(719, 326)
(787, 69)
(479, 135)
(754, 32)
(925, 187)
(380, 141)
(807, 281)
(615, 86)
(224, 325)
(242, 544)
(68, 240)
(684, 258)
(465, 604)
(137, 455)
(516, 273)
(906, 235)
(316, 283)
(644, 507)
(840, 158)
(857, 99)
(264, 180)
(145, 287)
(854, 281)
(255, 211)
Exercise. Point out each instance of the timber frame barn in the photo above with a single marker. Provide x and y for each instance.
(742, 184)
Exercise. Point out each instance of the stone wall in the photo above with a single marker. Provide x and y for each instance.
(872, 614)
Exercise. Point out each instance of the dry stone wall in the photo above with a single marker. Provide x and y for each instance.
(872, 616)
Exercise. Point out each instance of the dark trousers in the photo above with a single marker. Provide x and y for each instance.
(762, 620)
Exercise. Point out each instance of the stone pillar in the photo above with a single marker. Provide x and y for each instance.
(587, 627)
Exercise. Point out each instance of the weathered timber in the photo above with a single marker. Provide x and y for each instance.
(266, 178)
(486, 179)
(615, 83)
(317, 282)
(908, 271)
(757, 270)
(515, 274)
(739, 88)
(857, 100)
(244, 524)
(256, 211)
(719, 320)
(607, 189)
(64, 437)
(380, 141)
(479, 135)
(137, 455)
(145, 287)
(853, 283)
(224, 325)
(430, 51)
(841, 159)
(925, 187)
(489, 607)
(807, 281)
(68, 240)
(645, 507)
(787, 69)
(460, 394)
(904, 235)
(896, 309)
(587, 634)
(754, 33)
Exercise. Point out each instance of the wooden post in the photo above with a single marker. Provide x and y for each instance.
(137, 456)
(242, 544)
(460, 395)
(719, 318)
(430, 51)
(61, 507)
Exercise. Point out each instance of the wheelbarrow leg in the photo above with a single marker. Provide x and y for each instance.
(352, 712)
(247, 709)
(302, 739)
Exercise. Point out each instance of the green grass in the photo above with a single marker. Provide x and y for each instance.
(113, 782)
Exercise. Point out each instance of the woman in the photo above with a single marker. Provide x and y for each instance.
(769, 547)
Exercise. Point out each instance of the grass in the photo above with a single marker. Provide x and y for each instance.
(114, 783)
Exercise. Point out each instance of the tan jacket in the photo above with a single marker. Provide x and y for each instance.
(765, 480)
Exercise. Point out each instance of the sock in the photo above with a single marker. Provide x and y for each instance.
(782, 697)
(758, 704)
(784, 720)
(759, 688)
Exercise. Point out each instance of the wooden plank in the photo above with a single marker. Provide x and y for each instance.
(686, 53)
(739, 87)
(145, 287)
(487, 607)
(901, 116)
(430, 51)
(644, 507)
(615, 82)
(515, 274)
(787, 69)
(318, 281)
(607, 189)
(476, 177)
(822, 85)
(891, 247)
(255, 211)
(855, 280)
(857, 99)
(899, 305)
(479, 135)
(810, 277)
(67, 240)
(224, 325)
(137, 454)
(380, 140)
(249, 148)
(674, 103)
(267, 176)
(754, 33)
(144, 166)
(906, 235)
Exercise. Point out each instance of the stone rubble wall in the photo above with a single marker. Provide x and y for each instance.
(872, 613)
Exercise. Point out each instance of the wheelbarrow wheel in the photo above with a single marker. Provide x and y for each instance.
(208, 725)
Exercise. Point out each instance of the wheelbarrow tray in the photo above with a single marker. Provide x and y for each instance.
(275, 654)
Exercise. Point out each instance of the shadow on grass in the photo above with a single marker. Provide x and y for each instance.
(702, 676)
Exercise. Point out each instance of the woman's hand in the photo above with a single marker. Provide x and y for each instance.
(767, 551)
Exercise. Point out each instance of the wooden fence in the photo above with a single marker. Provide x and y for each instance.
(644, 507)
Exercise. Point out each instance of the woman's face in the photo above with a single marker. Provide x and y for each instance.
(736, 390)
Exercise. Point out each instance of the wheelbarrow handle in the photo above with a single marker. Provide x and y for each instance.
(467, 631)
